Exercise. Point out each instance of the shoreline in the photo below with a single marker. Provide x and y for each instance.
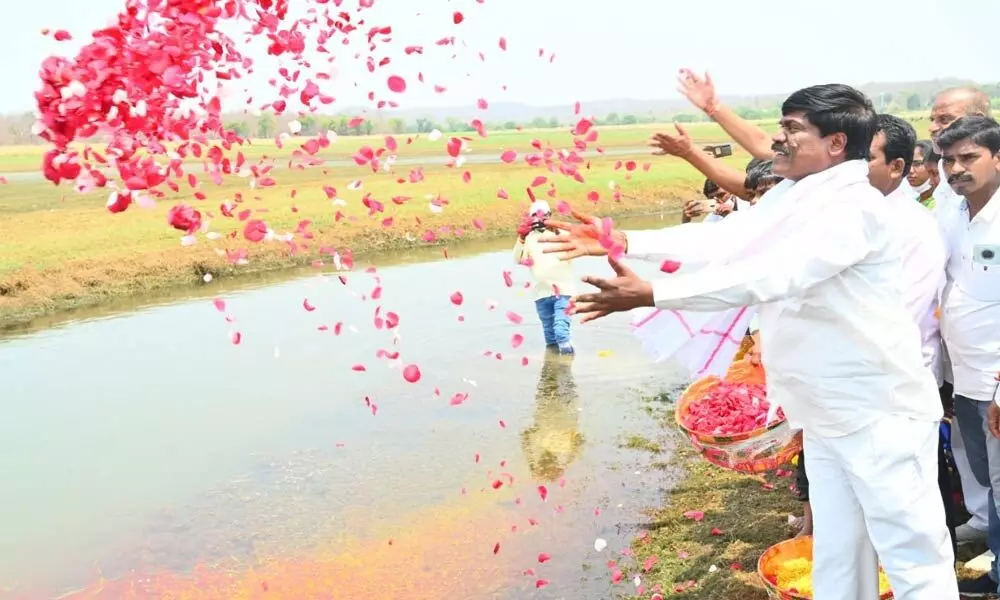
(716, 557)
(29, 294)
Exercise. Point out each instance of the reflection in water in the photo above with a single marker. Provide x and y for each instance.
(553, 441)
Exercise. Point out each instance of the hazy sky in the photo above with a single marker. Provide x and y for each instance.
(624, 48)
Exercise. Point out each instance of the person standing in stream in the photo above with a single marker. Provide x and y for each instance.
(820, 258)
(554, 279)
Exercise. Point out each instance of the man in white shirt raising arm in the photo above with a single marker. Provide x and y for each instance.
(822, 260)
(970, 319)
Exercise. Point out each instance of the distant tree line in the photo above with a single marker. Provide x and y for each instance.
(16, 128)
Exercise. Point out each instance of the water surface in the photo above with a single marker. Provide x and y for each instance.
(145, 455)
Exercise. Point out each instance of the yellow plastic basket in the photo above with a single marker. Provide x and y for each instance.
(772, 559)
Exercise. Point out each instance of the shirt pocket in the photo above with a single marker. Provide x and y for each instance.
(982, 277)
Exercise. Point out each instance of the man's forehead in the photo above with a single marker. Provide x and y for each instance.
(878, 142)
(964, 146)
(795, 117)
(955, 104)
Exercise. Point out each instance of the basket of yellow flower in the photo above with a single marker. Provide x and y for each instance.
(786, 570)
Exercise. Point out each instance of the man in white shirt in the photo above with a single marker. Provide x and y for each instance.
(970, 319)
(821, 258)
(949, 106)
(923, 251)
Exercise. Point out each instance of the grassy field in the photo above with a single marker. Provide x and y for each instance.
(60, 249)
(14, 159)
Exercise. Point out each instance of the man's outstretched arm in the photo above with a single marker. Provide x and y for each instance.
(681, 146)
(701, 92)
(833, 241)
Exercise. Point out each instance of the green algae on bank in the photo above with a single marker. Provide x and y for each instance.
(714, 557)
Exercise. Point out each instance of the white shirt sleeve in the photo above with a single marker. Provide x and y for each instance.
(832, 241)
(689, 243)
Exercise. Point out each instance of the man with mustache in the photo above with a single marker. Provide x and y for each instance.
(970, 149)
(949, 106)
(821, 260)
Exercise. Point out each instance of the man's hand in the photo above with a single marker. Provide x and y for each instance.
(993, 419)
(582, 238)
(694, 209)
(679, 145)
(700, 92)
(624, 292)
(724, 208)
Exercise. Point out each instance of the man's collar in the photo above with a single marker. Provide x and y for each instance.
(989, 212)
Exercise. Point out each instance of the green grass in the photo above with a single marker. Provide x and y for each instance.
(28, 158)
(638, 442)
(751, 519)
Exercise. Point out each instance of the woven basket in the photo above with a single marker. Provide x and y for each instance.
(773, 557)
(758, 451)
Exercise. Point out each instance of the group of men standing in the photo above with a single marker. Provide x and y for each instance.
(858, 269)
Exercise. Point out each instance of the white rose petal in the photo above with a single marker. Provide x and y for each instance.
(207, 278)
(600, 544)
(434, 135)
(295, 127)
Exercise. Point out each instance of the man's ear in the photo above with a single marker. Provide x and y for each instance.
(896, 168)
(837, 143)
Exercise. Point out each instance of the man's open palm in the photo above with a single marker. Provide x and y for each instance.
(699, 91)
(575, 239)
(672, 144)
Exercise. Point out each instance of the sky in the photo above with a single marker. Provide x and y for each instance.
(603, 50)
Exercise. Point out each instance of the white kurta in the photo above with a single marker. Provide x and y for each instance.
(972, 305)
(924, 254)
(823, 261)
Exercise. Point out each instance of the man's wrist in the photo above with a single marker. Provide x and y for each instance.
(712, 108)
(648, 296)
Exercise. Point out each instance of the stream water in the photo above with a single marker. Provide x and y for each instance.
(145, 455)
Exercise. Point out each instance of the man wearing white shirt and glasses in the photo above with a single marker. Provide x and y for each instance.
(970, 319)
(821, 260)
